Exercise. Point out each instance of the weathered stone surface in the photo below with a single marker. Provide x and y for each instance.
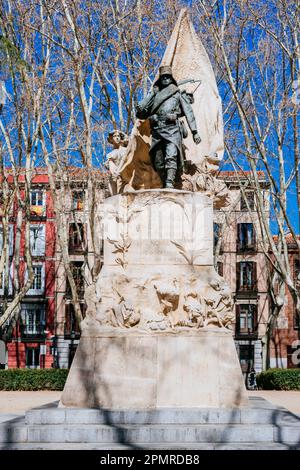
(158, 270)
(149, 223)
(157, 331)
(261, 425)
(155, 371)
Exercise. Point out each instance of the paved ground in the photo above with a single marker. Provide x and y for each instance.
(16, 403)
(289, 400)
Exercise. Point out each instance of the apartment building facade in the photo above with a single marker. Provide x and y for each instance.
(29, 341)
(242, 262)
(82, 257)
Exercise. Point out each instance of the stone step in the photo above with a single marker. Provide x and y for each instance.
(148, 433)
(153, 446)
(259, 426)
(266, 415)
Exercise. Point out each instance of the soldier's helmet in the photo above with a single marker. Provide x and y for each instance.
(166, 70)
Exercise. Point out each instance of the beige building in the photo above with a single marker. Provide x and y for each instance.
(240, 259)
(82, 260)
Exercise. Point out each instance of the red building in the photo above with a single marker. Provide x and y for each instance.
(30, 342)
(285, 342)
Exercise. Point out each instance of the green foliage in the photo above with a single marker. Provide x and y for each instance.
(33, 379)
(279, 379)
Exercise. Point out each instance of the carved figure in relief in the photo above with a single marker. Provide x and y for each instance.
(168, 295)
(219, 304)
(195, 310)
(126, 315)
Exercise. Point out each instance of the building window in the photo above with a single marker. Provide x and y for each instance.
(78, 200)
(76, 237)
(9, 287)
(72, 329)
(32, 358)
(246, 352)
(220, 268)
(246, 276)
(248, 199)
(37, 280)
(76, 268)
(217, 237)
(38, 283)
(246, 319)
(37, 239)
(245, 237)
(33, 319)
(37, 202)
(10, 240)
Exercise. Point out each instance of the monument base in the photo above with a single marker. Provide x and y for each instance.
(163, 370)
(259, 426)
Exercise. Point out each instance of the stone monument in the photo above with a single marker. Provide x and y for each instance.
(157, 333)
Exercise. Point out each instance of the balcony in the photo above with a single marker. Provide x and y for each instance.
(247, 288)
(246, 335)
(37, 213)
(70, 333)
(35, 333)
(242, 247)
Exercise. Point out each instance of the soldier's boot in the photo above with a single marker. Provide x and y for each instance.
(171, 174)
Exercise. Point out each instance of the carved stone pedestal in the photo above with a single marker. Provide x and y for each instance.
(135, 371)
(157, 331)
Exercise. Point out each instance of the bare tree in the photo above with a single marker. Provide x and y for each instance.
(256, 53)
(80, 68)
(75, 69)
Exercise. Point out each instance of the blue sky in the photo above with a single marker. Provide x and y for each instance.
(60, 85)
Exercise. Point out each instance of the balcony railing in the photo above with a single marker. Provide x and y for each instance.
(71, 332)
(247, 288)
(250, 334)
(242, 247)
(36, 332)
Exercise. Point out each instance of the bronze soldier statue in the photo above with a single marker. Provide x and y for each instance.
(163, 106)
